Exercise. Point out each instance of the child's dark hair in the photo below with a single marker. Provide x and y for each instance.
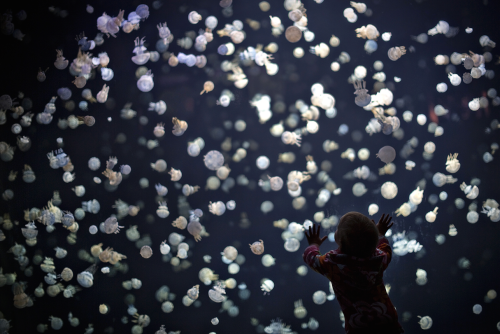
(357, 234)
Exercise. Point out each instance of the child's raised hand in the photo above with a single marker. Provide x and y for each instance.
(384, 224)
(313, 236)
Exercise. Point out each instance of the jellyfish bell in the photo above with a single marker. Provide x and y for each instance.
(387, 154)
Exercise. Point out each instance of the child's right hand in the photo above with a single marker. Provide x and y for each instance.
(384, 224)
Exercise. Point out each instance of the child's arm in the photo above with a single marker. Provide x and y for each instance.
(383, 225)
(311, 255)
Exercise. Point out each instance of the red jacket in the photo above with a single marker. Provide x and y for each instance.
(359, 287)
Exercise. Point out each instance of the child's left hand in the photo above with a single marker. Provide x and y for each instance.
(313, 236)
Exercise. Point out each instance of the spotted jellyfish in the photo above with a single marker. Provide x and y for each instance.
(217, 208)
(141, 55)
(431, 215)
(257, 247)
(441, 28)
(175, 174)
(217, 293)
(111, 226)
(396, 52)
(179, 126)
(471, 192)
(291, 138)
(439, 179)
(267, 286)
(162, 210)
(387, 154)
(159, 107)
(86, 277)
(452, 163)
(490, 208)
(145, 82)
(195, 229)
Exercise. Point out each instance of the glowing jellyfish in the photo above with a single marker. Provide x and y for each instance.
(425, 322)
(416, 196)
(214, 160)
(146, 252)
(230, 253)
(362, 97)
(217, 293)
(217, 208)
(431, 215)
(359, 189)
(276, 183)
(396, 52)
(257, 247)
(267, 286)
(293, 34)
(387, 154)
(372, 209)
(164, 248)
(268, 260)
(292, 245)
(262, 162)
(470, 191)
(319, 297)
(389, 190)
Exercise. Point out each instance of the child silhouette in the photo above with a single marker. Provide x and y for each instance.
(355, 270)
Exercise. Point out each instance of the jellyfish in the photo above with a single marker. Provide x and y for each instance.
(471, 192)
(293, 34)
(291, 138)
(257, 247)
(369, 31)
(159, 107)
(416, 196)
(179, 126)
(61, 63)
(452, 163)
(387, 154)
(217, 208)
(439, 179)
(86, 277)
(141, 56)
(145, 82)
(217, 293)
(372, 209)
(102, 96)
(441, 28)
(208, 86)
(213, 160)
(389, 190)
(175, 174)
(194, 228)
(396, 52)
(111, 226)
(146, 252)
(431, 215)
(404, 210)
(267, 286)
(425, 322)
(162, 210)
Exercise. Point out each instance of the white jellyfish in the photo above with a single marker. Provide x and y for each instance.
(217, 293)
(267, 286)
(217, 208)
(389, 190)
(86, 277)
(372, 209)
(431, 215)
(145, 82)
(471, 192)
(452, 163)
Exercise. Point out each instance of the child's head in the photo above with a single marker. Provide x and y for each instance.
(356, 235)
